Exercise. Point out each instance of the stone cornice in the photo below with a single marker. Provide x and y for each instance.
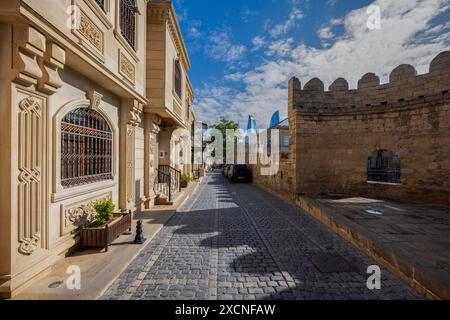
(126, 89)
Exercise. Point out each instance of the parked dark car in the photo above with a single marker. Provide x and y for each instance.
(239, 172)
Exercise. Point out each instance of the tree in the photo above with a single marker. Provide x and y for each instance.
(223, 126)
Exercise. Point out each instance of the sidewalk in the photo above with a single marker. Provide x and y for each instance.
(411, 240)
(100, 268)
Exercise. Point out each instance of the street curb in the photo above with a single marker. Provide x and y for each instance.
(143, 246)
(409, 273)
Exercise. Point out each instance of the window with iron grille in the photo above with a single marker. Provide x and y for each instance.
(178, 78)
(101, 4)
(383, 166)
(86, 148)
(128, 20)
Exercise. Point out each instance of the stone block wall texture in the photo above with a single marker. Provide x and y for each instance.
(282, 183)
(334, 132)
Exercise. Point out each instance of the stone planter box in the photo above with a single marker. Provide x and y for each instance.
(101, 236)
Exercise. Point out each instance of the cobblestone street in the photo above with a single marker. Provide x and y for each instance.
(236, 241)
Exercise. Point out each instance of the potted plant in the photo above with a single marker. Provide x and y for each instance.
(107, 226)
(185, 179)
(105, 211)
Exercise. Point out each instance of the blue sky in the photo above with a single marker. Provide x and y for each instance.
(244, 52)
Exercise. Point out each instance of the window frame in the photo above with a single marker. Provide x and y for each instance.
(103, 14)
(131, 42)
(59, 193)
(86, 135)
(392, 169)
(132, 51)
(177, 63)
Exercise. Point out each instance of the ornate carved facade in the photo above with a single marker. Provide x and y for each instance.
(41, 216)
(78, 215)
(90, 31)
(87, 68)
(126, 67)
(31, 179)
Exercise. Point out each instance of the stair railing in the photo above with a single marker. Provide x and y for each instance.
(175, 176)
(163, 178)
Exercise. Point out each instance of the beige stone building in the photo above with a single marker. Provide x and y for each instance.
(95, 99)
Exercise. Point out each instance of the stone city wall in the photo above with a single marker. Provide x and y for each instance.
(332, 134)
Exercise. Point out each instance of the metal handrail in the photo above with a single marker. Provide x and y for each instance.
(163, 177)
(175, 175)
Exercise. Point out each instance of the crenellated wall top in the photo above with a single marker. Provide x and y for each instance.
(404, 87)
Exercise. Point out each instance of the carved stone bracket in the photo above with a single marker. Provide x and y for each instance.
(134, 114)
(95, 98)
(54, 59)
(155, 124)
(29, 45)
(36, 61)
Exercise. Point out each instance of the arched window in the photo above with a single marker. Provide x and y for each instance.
(86, 148)
(178, 78)
(128, 20)
(383, 166)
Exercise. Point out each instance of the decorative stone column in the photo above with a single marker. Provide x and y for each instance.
(25, 86)
(130, 118)
(152, 129)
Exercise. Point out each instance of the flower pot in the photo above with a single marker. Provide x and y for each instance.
(184, 184)
(101, 236)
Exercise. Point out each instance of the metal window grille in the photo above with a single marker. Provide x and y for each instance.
(128, 20)
(383, 166)
(101, 4)
(178, 78)
(86, 148)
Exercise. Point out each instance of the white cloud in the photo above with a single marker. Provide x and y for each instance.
(409, 34)
(193, 29)
(221, 48)
(258, 42)
(283, 28)
(336, 22)
(325, 33)
(280, 47)
(234, 76)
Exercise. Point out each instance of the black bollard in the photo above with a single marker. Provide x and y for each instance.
(139, 234)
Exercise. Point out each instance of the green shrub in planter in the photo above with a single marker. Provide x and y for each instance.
(185, 179)
(105, 211)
